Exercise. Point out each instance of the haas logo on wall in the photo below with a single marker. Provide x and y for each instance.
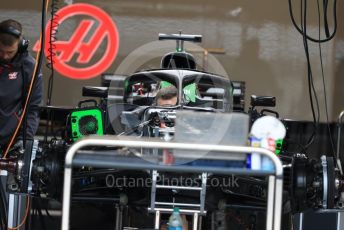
(75, 57)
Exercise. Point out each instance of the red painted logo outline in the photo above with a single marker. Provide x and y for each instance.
(66, 49)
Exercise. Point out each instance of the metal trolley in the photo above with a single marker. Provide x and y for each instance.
(75, 158)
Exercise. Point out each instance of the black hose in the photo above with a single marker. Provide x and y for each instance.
(308, 37)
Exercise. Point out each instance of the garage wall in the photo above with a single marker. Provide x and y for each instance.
(259, 42)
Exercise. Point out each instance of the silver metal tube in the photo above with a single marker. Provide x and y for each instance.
(203, 191)
(177, 204)
(118, 224)
(13, 204)
(181, 211)
(178, 187)
(195, 221)
(340, 118)
(153, 189)
(145, 143)
(200, 222)
(148, 143)
(157, 220)
(325, 180)
(278, 204)
(66, 198)
(301, 221)
(270, 202)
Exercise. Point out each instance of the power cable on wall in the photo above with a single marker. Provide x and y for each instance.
(51, 54)
(325, 14)
(314, 102)
(322, 69)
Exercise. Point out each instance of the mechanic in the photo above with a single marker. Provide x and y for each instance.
(16, 70)
(167, 96)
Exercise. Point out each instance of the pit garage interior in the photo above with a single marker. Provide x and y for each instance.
(223, 114)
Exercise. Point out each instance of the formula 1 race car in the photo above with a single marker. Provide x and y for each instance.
(174, 103)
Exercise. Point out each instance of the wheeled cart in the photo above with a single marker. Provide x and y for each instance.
(75, 157)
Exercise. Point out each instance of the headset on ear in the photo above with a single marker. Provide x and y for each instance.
(23, 43)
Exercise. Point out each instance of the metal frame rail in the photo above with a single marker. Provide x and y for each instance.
(339, 126)
(275, 177)
(193, 209)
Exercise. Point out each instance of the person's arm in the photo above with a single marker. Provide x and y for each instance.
(32, 116)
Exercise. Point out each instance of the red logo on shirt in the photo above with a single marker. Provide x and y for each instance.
(12, 76)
